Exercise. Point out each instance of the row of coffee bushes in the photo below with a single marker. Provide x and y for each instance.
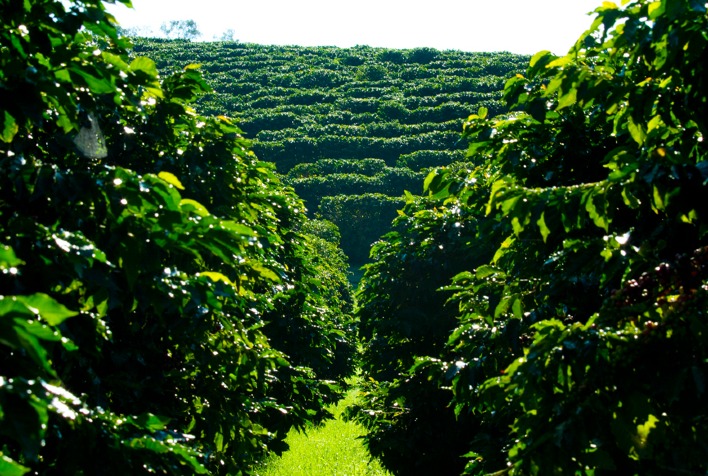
(306, 104)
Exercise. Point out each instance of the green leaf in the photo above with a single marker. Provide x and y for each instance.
(655, 122)
(171, 179)
(40, 330)
(150, 422)
(644, 429)
(10, 306)
(487, 270)
(636, 131)
(25, 421)
(47, 307)
(159, 447)
(216, 276)
(497, 187)
(503, 248)
(658, 200)
(8, 127)
(17, 334)
(238, 228)
(655, 10)
(144, 65)
(429, 180)
(115, 60)
(545, 231)
(95, 84)
(9, 467)
(265, 272)
(502, 307)
(597, 216)
(517, 307)
(630, 199)
(562, 61)
(567, 99)
(8, 258)
(62, 75)
(77, 244)
(541, 56)
(189, 205)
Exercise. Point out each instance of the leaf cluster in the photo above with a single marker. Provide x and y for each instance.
(161, 311)
(576, 345)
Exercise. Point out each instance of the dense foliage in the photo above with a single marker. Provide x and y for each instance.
(161, 310)
(166, 306)
(309, 108)
(577, 341)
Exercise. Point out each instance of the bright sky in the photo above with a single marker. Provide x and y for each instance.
(518, 26)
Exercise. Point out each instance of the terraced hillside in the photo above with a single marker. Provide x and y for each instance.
(350, 129)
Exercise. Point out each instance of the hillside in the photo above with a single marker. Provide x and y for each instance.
(350, 129)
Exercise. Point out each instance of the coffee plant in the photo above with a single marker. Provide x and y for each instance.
(149, 264)
(577, 344)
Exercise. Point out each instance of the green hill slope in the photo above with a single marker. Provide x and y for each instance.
(350, 129)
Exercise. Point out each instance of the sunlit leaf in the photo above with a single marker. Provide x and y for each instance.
(562, 61)
(144, 65)
(543, 228)
(8, 258)
(655, 9)
(486, 270)
(8, 127)
(8, 467)
(567, 99)
(658, 198)
(47, 307)
(238, 228)
(645, 429)
(171, 179)
(636, 131)
(265, 272)
(538, 57)
(189, 205)
(216, 276)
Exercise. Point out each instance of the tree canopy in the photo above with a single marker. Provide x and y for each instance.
(182, 29)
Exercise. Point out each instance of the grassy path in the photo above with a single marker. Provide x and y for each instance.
(333, 449)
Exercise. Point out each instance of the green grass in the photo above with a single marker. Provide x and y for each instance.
(333, 449)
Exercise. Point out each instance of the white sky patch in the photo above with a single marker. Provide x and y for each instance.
(518, 26)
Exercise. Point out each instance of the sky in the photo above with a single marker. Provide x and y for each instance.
(517, 26)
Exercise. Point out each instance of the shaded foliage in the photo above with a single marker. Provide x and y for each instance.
(360, 219)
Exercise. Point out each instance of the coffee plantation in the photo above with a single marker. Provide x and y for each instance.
(178, 221)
